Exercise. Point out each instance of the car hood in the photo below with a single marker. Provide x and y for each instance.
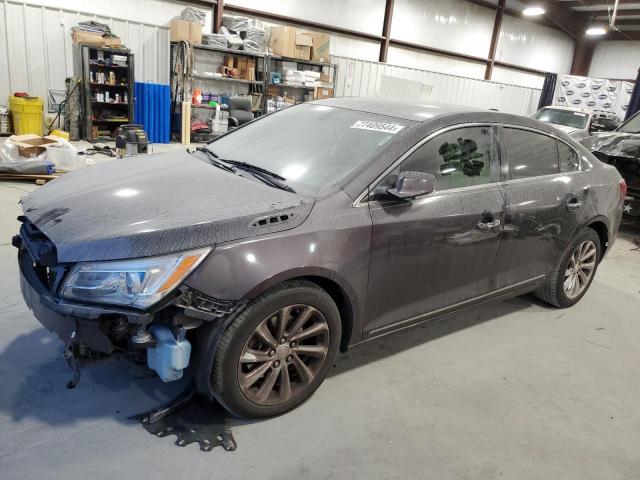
(566, 129)
(154, 205)
(615, 144)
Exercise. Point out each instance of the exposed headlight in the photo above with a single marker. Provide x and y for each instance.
(136, 283)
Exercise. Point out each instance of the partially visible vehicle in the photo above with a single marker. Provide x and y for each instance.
(621, 149)
(577, 123)
(250, 262)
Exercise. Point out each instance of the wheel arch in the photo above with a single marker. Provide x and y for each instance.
(330, 282)
(601, 226)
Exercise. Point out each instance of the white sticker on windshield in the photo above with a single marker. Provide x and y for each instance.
(580, 114)
(378, 126)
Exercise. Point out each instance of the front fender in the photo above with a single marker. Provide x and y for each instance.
(335, 248)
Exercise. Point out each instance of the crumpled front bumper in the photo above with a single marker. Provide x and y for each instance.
(62, 317)
(42, 306)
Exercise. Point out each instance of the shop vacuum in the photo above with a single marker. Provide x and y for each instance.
(131, 140)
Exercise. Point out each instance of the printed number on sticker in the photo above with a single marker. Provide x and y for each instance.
(377, 126)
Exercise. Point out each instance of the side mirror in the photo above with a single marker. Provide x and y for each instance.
(413, 184)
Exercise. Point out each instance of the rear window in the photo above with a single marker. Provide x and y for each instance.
(569, 160)
(530, 154)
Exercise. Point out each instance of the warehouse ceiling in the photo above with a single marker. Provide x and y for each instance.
(627, 15)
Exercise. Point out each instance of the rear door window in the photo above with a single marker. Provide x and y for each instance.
(569, 160)
(530, 154)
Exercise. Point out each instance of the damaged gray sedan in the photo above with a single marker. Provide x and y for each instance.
(249, 263)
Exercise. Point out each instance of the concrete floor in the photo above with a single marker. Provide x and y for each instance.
(508, 390)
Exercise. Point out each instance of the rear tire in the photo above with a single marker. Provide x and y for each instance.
(277, 352)
(572, 277)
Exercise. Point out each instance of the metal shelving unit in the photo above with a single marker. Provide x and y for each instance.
(274, 64)
(101, 116)
(206, 65)
(206, 60)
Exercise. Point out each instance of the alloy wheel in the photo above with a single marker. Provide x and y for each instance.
(283, 355)
(580, 269)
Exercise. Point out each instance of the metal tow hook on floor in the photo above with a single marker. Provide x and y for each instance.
(191, 418)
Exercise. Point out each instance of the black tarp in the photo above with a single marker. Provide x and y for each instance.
(634, 101)
(549, 87)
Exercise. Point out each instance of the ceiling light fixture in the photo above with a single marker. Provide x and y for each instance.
(533, 11)
(596, 30)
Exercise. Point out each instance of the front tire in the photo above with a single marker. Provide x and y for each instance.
(277, 352)
(571, 279)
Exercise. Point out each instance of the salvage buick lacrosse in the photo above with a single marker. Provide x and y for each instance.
(249, 263)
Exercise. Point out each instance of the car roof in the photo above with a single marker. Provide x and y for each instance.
(435, 113)
(415, 111)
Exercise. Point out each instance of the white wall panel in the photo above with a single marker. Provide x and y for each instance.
(438, 63)
(616, 59)
(361, 15)
(453, 25)
(361, 78)
(531, 45)
(36, 52)
(151, 12)
(513, 77)
(354, 47)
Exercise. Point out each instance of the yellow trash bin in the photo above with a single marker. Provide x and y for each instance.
(27, 114)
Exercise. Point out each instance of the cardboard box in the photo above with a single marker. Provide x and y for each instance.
(195, 32)
(320, 46)
(283, 41)
(179, 30)
(112, 42)
(229, 61)
(184, 30)
(251, 69)
(242, 66)
(31, 145)
(287, 42)
(87, 38)
(303, 47)
(320, 93)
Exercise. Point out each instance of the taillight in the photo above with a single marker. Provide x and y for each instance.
(623, 188)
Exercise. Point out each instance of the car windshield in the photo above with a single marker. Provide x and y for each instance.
(567, 118)
(632, 125)
(314, 147)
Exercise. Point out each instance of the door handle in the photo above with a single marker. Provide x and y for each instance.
(574, 204)
(488, 225)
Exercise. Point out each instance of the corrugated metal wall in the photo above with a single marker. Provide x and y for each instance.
(362, 78)
(36, 50)
(617, 59)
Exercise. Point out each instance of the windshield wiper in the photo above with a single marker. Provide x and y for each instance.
(214, 160)
(268, 177)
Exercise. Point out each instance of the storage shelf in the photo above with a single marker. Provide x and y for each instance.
(107, 66)
(226, 79)
(199, 46)
(298, 60)
(286, 85)
(110, 120)
(109, 85)
(109, 103)
(105, 115)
